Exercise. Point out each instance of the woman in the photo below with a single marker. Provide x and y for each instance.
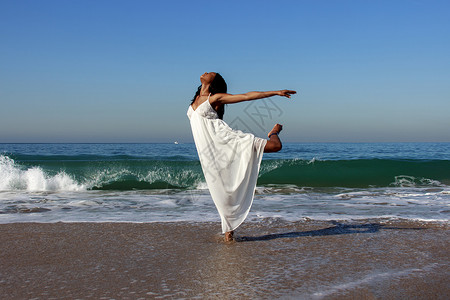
(230, 159)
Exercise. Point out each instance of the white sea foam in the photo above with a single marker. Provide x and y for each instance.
(202, 185)
(411, 181)
(165, 174)
(34, 179)
(101, 177)
(313, 160)
(32, 194)
(197, 205)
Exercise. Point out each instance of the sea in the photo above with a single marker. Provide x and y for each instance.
(157, 182)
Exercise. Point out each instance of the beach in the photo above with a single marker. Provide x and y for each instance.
(136, 221)
(364, 259)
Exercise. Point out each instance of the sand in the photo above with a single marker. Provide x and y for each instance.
(368, 259)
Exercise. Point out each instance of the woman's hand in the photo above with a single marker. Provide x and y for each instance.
(286, 93)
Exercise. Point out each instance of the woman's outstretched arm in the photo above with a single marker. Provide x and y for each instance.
(222, 98)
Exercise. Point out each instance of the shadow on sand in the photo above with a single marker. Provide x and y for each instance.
(337, 229)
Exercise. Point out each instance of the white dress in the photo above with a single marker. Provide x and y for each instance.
(230, 161)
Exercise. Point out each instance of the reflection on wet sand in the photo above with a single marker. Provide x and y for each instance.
(301, 260)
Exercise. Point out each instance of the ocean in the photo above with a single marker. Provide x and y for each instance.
(164, 183)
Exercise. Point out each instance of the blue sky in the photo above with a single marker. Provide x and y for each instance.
(125, 71)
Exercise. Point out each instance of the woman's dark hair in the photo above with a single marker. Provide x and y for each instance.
(218, 85)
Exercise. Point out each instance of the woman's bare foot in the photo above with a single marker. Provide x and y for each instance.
(276, 129)
(229, 236)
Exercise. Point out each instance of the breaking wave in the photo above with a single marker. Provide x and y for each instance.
(127, 173)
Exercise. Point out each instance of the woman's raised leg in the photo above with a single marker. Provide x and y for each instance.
(274, 143)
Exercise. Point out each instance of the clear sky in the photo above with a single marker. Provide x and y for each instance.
(125, 71)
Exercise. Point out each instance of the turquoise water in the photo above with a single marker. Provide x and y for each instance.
(164, 182)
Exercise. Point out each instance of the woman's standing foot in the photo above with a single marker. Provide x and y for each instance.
(229, 236)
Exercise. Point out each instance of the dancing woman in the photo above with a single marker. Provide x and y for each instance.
(230, 159)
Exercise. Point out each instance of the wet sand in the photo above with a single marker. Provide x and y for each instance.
(368, 259)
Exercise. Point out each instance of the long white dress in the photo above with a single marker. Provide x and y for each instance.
(230, 161)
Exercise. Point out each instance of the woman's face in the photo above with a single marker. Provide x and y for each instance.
(207, 77)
